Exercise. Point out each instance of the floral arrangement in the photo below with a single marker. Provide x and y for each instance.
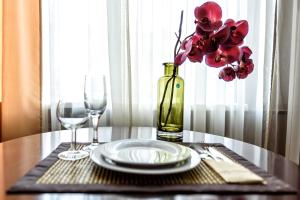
(217, 43)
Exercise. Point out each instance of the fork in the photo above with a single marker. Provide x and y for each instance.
(205, 150)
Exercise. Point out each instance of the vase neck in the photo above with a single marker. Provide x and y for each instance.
(169, 68)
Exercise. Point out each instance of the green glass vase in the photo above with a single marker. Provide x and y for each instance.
(170, 102)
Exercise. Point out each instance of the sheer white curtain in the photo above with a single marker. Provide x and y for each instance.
(130, 39)
(75, 42)
(293, 125)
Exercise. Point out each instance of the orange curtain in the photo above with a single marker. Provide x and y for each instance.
(1, 31)
(21, 69)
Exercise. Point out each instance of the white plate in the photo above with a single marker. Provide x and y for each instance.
(192, 162)
(146, 153)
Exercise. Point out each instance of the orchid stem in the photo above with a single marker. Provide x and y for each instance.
(172, 91)
(172, 77)
(162, 101)
(179, 34)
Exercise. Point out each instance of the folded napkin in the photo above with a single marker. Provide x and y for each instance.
(233, 172)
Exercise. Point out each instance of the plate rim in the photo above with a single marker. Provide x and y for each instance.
(175, 145)
(193, 161)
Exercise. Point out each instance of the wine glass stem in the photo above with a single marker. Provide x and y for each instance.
(95, 121)
(73, 140)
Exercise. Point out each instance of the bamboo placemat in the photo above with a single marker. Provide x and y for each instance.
(54, 175)
(84, 171)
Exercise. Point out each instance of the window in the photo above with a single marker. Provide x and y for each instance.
(129, 41)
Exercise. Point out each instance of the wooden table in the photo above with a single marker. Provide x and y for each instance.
(20, 155)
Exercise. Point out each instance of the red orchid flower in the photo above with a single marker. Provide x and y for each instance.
(246, 65)
(249, 65)
(218, 43)
(242, 73)
(245, 53)
(245, 68)
(211, 44)
(216, 59)
(208, 16)
(195, 55)
(181, 57)
(238, 31)
(227, 74)
(199, 31)
(223, 56)
(221, 35)
(192, 51)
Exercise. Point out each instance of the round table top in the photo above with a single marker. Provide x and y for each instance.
(20, 155)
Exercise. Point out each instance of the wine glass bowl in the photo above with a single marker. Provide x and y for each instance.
(72, 116)
(95, 107)
(95, 100)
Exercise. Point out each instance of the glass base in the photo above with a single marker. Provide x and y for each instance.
(73, 155)
(90, 147)
(169, 136)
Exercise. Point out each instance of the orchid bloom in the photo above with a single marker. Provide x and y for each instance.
(218, 43)
(208, 16)
(227, 74)
(238, 31)
(246, 65)
(223, 56)
(192, 51)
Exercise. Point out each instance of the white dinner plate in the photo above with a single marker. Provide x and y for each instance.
(146, 153)
(192, 162)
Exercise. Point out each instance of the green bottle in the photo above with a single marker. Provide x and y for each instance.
(170, 115)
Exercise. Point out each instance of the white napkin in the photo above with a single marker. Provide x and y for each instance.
(233, 172)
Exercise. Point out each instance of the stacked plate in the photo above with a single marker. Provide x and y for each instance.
(145, 157)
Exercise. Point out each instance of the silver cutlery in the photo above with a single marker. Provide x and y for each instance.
(205, 152)
(218, 154)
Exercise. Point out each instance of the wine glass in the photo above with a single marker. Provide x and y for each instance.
(72, 115)
(95, 101)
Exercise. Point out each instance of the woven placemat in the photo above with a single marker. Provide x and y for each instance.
(84, 171)
(54, 175)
